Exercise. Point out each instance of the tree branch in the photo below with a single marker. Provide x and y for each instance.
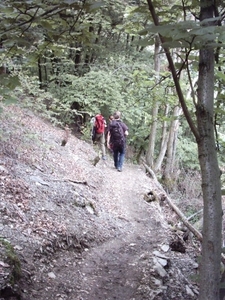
(173, 206)
(174, 74)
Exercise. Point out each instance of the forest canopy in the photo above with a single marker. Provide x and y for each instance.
(71, 59)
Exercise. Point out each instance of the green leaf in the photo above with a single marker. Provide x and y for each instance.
(6, 9)
(46, 24)
(9, 101)
(172, 44)
(13, 82)
(9, 82)
(143, 32)
(220, 75)
(145, 42)
(96, 5)
(70, 1)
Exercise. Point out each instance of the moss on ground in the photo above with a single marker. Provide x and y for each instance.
(12, 259)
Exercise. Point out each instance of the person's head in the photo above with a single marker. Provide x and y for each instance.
(117, 115)
(111, 117)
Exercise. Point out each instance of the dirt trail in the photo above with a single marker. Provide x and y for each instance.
(121, 267)
(115, 270)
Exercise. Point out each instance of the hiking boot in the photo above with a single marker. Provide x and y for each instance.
(119, 170)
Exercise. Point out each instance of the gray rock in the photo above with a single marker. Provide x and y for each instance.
(160, 270)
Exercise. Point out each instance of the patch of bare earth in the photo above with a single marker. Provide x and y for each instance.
(83, 232)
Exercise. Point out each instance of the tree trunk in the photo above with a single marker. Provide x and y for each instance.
(45, 75)
(164, 141)
(40, 73)
(210, 173)
(177, 113)
(211, 187)
(171, 145)
(77, 60)
(152, 137)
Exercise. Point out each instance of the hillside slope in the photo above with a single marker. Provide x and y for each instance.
(82, 231)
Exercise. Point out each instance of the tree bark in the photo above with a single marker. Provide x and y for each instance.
(171, 144)
(177, 113)
(164, 141)
(40, 73)
(211, 187)
(152, 137)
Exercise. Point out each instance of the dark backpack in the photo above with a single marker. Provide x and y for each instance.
(117, 137)
(99, 124)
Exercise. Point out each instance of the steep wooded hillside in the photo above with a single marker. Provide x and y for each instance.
(73, 230)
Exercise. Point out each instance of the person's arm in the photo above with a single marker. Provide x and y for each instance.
(125, 129)
(108, 139)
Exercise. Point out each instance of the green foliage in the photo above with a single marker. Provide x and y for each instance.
(187, 154)
(29, 95)
(95, 91)
(77, 58)
(177, 27)
(12, 259)
(7, 85)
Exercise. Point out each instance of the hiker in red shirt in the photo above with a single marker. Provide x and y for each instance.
(98, 133)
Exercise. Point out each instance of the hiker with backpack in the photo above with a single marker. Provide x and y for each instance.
(116, 139)
(98, 132)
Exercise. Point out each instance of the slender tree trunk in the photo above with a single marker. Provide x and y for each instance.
(97, 40)
(152, 137)
(211, 187)
(40, 73)
(171, 143)
(164, 141)
(3, 70)
(77, 60)
(45, 75)
(177, 113)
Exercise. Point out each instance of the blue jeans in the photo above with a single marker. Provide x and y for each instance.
(118, 155)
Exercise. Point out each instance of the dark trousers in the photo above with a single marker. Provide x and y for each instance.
(119, 155)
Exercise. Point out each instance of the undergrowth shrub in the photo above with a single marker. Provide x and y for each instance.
(188, 192)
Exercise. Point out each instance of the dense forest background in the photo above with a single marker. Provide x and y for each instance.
(68, 60)
(73, 59)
